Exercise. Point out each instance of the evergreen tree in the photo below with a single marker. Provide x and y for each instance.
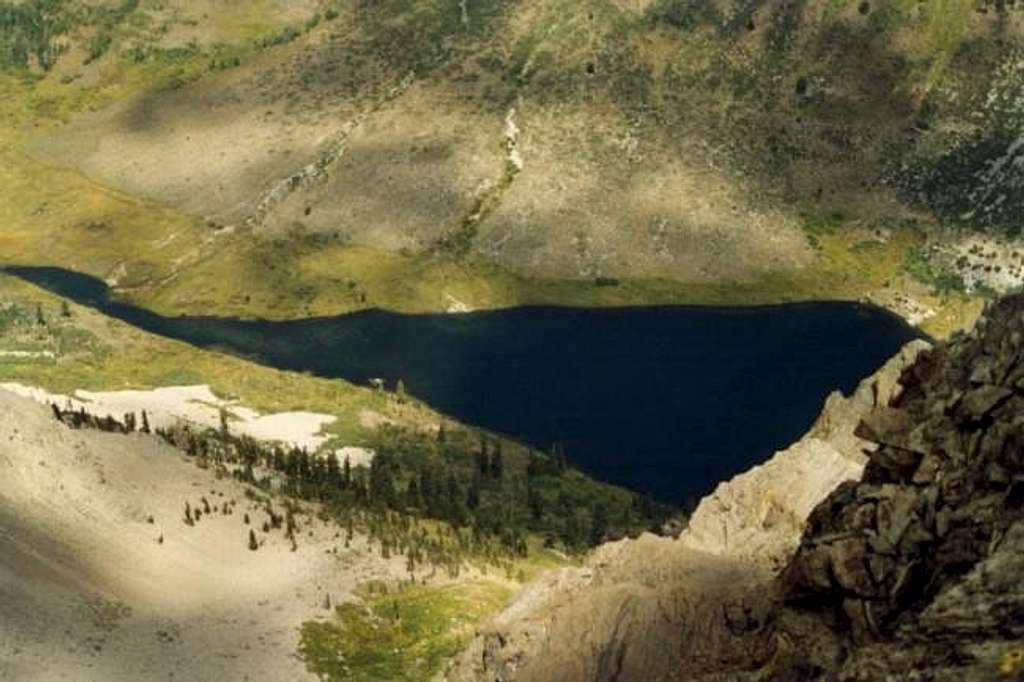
(454, 508)
(497, 463)
(224, 431)
(473, 494)
(412, 495)
(333, 471)
(533, 465)
(598, 523)
(558, 456)
(429, 493)
(145, 422)
(536, 503)
(253, 545)
(382, 485)
(291, 465)
(573, 532)
(290, 525)
(482, 459)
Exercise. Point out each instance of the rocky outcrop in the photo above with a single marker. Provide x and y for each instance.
(658, 608)
(909, 497)
(916, 568)
(759, 516)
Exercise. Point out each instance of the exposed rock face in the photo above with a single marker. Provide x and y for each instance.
(658, 608)
(914, 572)
(758, 516)
(920, 563)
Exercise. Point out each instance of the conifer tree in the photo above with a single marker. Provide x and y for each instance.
(224, 431)
(497, 463)
(253, 545)
(598, 523)
(412, 495)
(482, 459)
(333, 471)
(290, 525)
(536, 504)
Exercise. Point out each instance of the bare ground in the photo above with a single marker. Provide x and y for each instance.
(90, 593)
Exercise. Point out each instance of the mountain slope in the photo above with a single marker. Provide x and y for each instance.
(435, 154)
(103, 580)
(659, 608)
(822, 564)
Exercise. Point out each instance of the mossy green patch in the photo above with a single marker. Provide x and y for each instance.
(921, 268)
(402, 636)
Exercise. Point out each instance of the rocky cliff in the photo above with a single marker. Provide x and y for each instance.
(658, 608)
(916, 568)
(888, 544)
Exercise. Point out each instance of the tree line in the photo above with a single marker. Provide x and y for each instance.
(490, 492)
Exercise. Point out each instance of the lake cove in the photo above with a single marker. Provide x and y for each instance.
(664, 400)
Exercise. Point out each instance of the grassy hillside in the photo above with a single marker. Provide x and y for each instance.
(319, 157)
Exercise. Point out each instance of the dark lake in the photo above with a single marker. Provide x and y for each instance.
(666, 400)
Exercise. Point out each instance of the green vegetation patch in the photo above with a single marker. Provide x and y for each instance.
(30, 33)
(819, 223)
(919, 266)
(502, 490)
(407, 635)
